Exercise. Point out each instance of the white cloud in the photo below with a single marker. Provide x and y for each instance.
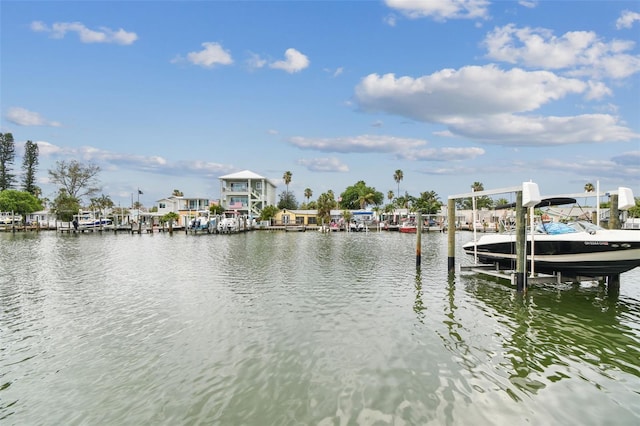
(327, 164)
(515, 130)
(597, 90)
(528, 3)
(403, 148)
(578, 53)
(294, 62)
(442, 154)
(211, 55)
(487, 104)
(391, 20)
(441, 10)
(448, 95)
(150, 164)
(24, 117)
(358, 144)
(611, 168)
(631, 158)
(255, 61)
(46, 149)
(627, 19)
(102, 35)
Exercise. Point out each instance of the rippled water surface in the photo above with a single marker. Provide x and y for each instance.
(275, 328)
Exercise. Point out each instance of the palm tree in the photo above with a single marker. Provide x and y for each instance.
(398, 176)
(326, 202)
(170, 217)
(366, 198)
(308, 193)
(287, 179)
(589, 187)
(390, 196)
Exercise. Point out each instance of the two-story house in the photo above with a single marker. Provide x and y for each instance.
(246, 192)
(186, 207)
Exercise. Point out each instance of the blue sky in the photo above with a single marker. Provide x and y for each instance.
(174, 94)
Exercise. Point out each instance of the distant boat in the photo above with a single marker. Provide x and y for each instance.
(357, 226)
(9, 219)
(203, 223)
(408, 227)
(95, 223)
(229, 222)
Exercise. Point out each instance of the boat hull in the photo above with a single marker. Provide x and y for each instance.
(408, 230)
(580, 254)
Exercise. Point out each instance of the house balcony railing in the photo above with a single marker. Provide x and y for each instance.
(228, 189)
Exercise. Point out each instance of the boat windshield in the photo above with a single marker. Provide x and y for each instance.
(584, 226)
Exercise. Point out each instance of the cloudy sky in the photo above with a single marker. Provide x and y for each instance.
(173, 95)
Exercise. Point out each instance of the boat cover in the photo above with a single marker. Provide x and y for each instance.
(555, 228)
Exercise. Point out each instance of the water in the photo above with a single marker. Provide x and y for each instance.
(274, 328)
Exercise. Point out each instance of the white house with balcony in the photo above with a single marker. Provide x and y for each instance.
(246, 192)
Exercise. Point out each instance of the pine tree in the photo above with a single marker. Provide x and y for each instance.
(29, 165)
(7, 155)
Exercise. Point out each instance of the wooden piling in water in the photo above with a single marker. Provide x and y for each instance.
(614, 213)
(521, 245)
(418, 239)
(451, 237)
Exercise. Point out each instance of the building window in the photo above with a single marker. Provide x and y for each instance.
(312, 220)
(259, 186)
(239, 187)
(162, 206)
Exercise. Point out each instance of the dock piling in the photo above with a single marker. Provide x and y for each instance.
(451, 237)
(521, 245)
(418, 239)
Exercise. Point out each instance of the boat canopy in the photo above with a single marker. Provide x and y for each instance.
(547, 202)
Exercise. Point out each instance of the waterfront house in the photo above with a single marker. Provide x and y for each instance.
(309, 218)
(306, 218)
(246, 192)
(186, 207)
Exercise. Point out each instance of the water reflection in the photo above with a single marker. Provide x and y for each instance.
(418, 306)
(298, 328)
(551, 333)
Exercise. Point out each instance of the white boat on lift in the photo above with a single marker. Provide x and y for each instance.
(229, 222)
(575, 248)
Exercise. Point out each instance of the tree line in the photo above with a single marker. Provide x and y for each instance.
(75, 181)
(361, 196)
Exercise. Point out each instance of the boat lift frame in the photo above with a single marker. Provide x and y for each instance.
(527, 196)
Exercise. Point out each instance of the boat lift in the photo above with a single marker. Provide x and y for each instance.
(528, 196)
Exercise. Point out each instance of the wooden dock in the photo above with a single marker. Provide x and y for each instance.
(23, 228)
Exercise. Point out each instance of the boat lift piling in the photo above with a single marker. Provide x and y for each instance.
(418, 239)
(614, 212)
(521, 245)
